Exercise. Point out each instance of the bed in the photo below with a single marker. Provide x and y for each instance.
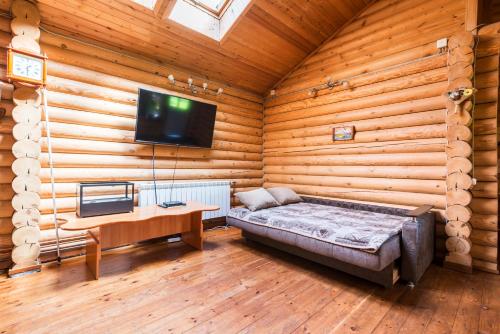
(377, 243)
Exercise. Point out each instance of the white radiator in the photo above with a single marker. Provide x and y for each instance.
(210, 192)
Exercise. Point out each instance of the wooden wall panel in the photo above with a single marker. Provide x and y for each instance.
(484, 222)
(92, 94)
(6, 156)
(395, 101)
(264, 44)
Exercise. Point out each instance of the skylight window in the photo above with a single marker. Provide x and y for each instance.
(215, 5)
(146, 3)
(212, 18)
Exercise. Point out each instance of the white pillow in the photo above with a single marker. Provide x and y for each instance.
(257, 199)
(284, 195)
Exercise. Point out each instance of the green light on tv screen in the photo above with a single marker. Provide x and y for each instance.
(179, 103)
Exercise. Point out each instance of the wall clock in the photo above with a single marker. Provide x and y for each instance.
(26, 67)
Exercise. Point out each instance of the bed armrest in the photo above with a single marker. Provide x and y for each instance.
(417, 243)
(420, 210)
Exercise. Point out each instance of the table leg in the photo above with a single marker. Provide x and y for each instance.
(195, 236)
(93, 255)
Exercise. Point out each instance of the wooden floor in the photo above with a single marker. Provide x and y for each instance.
(238, 287)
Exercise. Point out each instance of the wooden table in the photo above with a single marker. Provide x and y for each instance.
(142, 224)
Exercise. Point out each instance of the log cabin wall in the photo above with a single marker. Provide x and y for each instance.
(92, 94)
(394, 100)
(6, 158)
(484, 205)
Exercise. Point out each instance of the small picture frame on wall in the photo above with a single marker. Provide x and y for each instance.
(343, 133)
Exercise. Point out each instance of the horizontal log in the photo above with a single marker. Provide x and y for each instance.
(399, 172)
(66, 204)
(26, 254)
(458, 213)
(6, 175)
(97, 91)
(295, 90)
(379, 123)
(485, 158)
(23, 131)
(486, 174)
(485, 142)
(409, 133)
(27, 113)
(27, 217)
(73, 102)
(67, 145)
(401, 159)
(486, 95)
(70, 116)
(485, 206)
(487, 266)
(127, 77)
(484, 238)
(484, 222)
(24, 183)
(458, 181)
(413, 186)
(119, 174)
(6, 209)
(485, 126)
(455, 228)
(6, 192)
(69, 189)
(26, 166)
(26, 235)
(117, 161)
(28, 96)
(379, 196)
(25, 200)
(458, 197)
(458, 245)
(484, 253)
(485, 190)
(458, 132)
(6, 159)
(369, 96)
(26, 149)
(327, 114)
(317, 109)
(6, 142)
(393, 146)
(459, 165)
(485, 110)
(64, 130)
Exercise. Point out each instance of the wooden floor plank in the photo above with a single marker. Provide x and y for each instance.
(467, 319)
(490, 308)
(236, 286)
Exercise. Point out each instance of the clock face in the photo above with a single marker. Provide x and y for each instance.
(27, 67)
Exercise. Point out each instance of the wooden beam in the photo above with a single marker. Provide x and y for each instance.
(471, 15)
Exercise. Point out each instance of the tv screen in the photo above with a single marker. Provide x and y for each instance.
(168, 119)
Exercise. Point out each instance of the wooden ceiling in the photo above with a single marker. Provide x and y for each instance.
(267, 41)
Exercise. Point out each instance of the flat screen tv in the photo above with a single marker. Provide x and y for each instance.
(169, 119)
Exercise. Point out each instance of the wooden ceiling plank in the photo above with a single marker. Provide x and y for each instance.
(268, 51)
(112, 36)
(288, 21)
(271, 37)
(180, 39)
(278, 28)
(320, 47)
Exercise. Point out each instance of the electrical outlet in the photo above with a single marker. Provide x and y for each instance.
(442, 43)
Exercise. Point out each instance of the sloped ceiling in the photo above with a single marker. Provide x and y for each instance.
(269, 39)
